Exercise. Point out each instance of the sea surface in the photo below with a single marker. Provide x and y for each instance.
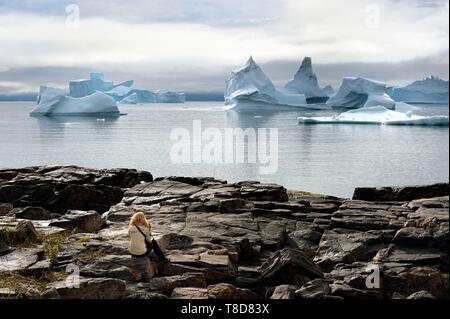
(326, 159)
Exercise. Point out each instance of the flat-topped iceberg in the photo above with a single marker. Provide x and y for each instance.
(80, 88)
(429, 90)
(140, 97)
(378, 115)
(167, 96)
(52, 101)
(305, 82)
(357, 92)
(250, 88)
(124, 92)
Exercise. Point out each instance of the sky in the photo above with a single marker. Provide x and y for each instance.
(193, 45)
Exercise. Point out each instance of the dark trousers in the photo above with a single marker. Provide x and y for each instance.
(153, 245)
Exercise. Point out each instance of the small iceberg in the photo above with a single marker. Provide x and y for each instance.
(52, 101)
(249, 88)
(357, 92)
(429, 90)
(377, 115)
(305, 82)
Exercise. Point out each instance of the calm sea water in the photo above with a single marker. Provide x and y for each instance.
(328, 159)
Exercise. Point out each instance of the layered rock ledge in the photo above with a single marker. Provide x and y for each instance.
(245, 240)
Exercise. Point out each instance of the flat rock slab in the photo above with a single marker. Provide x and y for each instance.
(20, 259)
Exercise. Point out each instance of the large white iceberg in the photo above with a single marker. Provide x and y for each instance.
(378, 115)
(357, 92)
(250, 88)
(305, 82)
(52, 101)
(429, 90)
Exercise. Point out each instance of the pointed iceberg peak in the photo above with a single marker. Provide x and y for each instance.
(249, 84)
(305, 82)
(306, 67)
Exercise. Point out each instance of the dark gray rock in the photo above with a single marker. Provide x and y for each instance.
(31, 213)
(81, 221)
(284, 292)
(408, 193)
(168, 284)
(315, 289)
(91, 288)
(227, 292)
(5, 208)
(289, 266)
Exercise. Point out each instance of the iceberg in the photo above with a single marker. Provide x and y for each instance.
(357, 92)
(123, 93)
(52, 101)
(118, 93)
(305, 82)
(378, 115)
(80, 88)
(140, 97)
(167, 96)
(250, 88)
(429, 90)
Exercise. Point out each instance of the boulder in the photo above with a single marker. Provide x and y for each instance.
(189, 293)
(81, 221)
(5, 208)
(348, 246)
(408, 193)
(20, 259)
(32, 213)
(121, 267)
(174, 241)
(91, 288)
(284, 292)
(23, 232)
(314, 289)
(231, 205)
(289, 266)
(168, 284)
(227, 292)
(347, 292)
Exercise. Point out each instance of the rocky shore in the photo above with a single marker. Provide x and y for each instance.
(225, 241)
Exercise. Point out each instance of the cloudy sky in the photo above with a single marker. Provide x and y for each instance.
(192, 45)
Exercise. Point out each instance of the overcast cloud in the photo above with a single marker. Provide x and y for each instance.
(193, 44)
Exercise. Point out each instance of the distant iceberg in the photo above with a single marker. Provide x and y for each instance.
(378, 115)
(429, 90)
(123, 93)
(357, 92)
(52, 101)
(140, 97)
(250, 88)
(167, 96)
(305, 82)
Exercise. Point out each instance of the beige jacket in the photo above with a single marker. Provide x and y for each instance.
(137, 241)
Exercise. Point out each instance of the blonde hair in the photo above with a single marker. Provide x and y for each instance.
(139, 219)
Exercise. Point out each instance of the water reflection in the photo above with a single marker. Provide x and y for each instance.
(51, 127)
